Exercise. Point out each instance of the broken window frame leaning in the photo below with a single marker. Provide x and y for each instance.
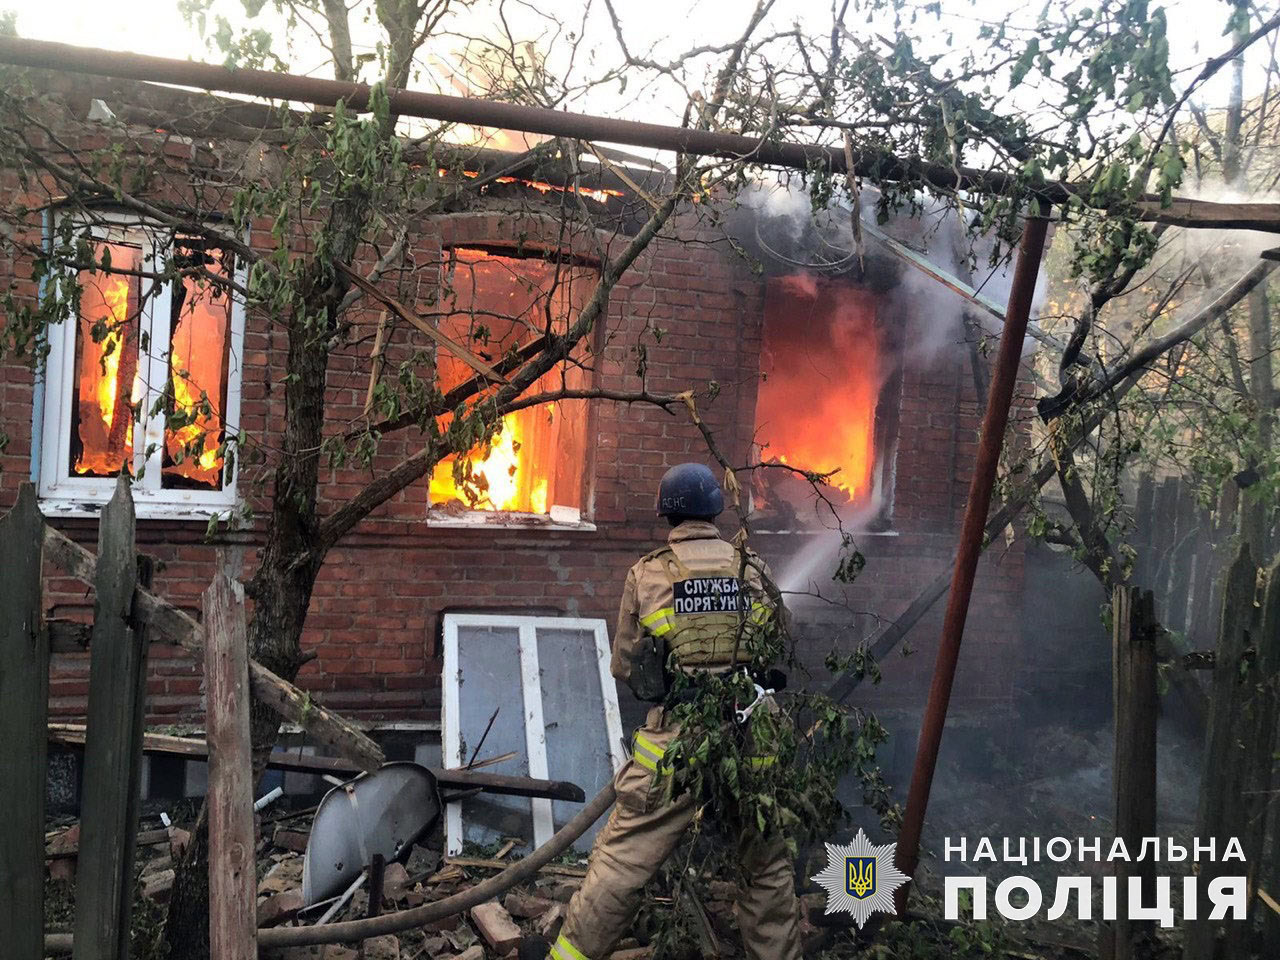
(61, 491)
(531, 714)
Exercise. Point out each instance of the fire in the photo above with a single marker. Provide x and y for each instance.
(535, 461)
(115, 296)
(197, 364)
(102, 421)
(504, 479)
(821, 379)
(600, 195)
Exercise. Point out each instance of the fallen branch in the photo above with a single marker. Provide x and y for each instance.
(287, 700)
(408, 316)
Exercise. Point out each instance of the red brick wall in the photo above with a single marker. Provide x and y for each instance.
(375, 617)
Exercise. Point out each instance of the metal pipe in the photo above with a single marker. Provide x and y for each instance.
(994, 422)
(66, 58)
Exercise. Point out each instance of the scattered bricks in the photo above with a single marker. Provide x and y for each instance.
(564, 890)
(285, 875)
(336, 952)
(395, 881)
(496, 926)
(526, 907)
(279, 907)
(64, 867)
(290, 840)
(451, 922)
(471, 953)
(386, 947)
(157, 885)
(548, 925)
(178, 841)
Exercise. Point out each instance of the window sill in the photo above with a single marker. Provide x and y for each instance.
(144, 509)
(502, 520)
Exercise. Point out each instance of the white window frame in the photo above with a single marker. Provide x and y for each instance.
(64, 494)
(531, 684)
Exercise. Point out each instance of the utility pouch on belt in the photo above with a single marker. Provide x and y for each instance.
(649, 670)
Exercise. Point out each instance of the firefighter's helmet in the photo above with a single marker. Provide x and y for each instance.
(689, 490)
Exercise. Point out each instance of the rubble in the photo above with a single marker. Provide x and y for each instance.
(279, 907)
(285, 875)
(526, 907)
(496, 926)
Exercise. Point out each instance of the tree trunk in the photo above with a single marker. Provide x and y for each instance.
(281, 587)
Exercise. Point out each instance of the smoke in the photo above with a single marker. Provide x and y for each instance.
(778, 224)
(1237, 249)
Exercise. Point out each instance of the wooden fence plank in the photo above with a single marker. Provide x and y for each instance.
(1226, 752)
(24, 702)
(232, 877)
(322, 724)
(1133, 776)
(1186, 528)
(113, 751)
(1262, 713)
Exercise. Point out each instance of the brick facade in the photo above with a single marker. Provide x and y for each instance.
(375, 618)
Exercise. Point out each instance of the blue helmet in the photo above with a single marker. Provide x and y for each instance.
(689, 490)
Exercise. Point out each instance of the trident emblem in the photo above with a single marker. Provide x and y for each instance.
(861, 880)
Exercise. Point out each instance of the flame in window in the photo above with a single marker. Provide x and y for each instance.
(198, 361)
(537, 458)
(108, 381)
(821, 377)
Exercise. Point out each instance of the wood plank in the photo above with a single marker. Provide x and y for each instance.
(24, 703)
(1133, 777)
(1226, 752)
(1186, 529)
(72, 734)
(233, 928)
(1261, 715)
(113, 751)
(323, 725)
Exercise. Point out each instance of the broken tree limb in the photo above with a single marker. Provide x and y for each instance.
(408, 316)
(291, 703)
(354, 930)
(73, 734)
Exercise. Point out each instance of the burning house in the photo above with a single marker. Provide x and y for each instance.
(803, 358)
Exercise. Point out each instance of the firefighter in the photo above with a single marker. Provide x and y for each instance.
(688, 601)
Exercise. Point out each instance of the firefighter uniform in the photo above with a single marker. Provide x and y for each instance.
(692, 594)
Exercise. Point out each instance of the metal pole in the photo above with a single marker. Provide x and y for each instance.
(476, 111)
(999, 398)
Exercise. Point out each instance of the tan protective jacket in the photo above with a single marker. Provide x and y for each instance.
(695, 595)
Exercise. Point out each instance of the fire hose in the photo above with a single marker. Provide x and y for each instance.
(350, 931)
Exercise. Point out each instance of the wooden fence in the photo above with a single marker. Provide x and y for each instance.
(125, 612)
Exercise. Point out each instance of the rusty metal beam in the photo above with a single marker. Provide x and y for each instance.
(47, 55)
(994, 423)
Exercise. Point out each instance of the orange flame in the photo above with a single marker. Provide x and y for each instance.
(535, 461)
(505, 478)
(103, 427)
(821, 379)
(197, 362)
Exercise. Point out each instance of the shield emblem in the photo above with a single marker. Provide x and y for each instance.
(860, 877)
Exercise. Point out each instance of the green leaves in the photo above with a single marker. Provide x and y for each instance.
(1025, 62)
